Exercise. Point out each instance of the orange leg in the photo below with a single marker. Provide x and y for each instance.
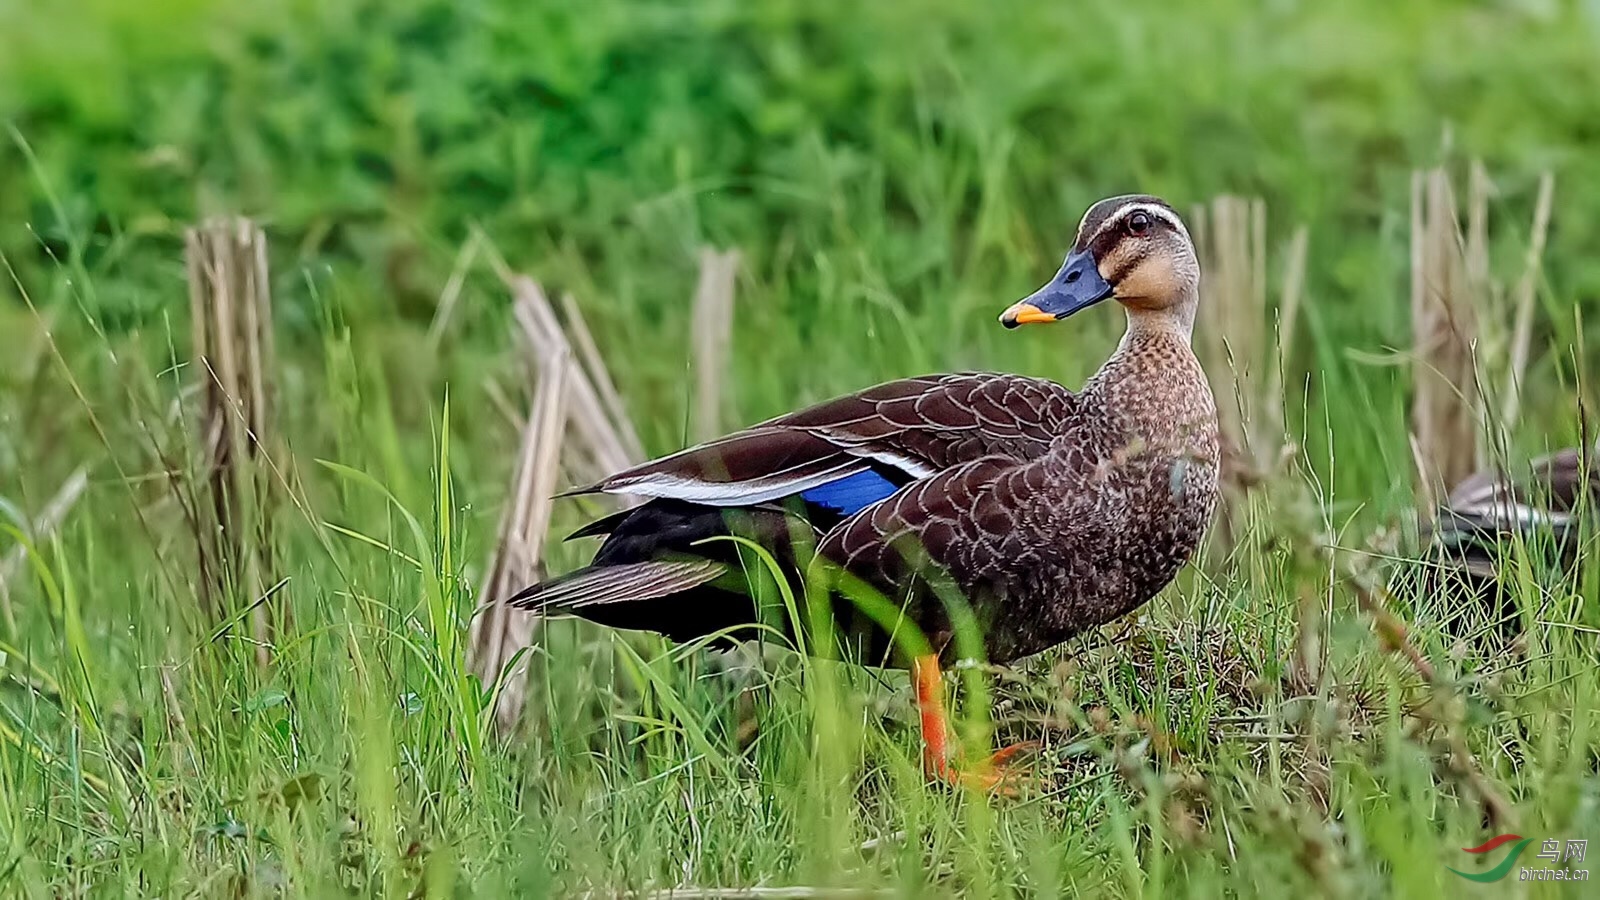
(936, 750)
(929, 682)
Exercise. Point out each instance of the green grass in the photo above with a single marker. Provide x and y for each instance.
(893, 178)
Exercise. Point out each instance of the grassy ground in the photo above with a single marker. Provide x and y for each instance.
(893, 178)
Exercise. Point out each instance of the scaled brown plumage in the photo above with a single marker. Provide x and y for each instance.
(1048, 511)
(1047, 545)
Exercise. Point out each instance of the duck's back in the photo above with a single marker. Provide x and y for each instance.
(1047, 548)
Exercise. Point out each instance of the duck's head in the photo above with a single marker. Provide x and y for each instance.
(1133, 248)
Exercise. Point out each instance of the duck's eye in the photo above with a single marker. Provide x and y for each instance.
(1139, 223)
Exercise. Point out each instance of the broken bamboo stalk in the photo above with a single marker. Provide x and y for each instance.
(500, 632)
(1444, 319)
(1244, 356)
(606, 438)
(711, 333)
(230, 299)
(574, 396)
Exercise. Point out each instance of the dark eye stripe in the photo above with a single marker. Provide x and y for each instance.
(1105, 242)
(1128, 264)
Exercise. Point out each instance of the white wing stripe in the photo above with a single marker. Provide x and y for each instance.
(1514, 513)
(735, 493)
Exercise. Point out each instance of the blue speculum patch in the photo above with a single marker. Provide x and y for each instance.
(850, 494)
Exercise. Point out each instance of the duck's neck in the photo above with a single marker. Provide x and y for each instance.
(1175, 321)
(1159, 332)
(1154, 373)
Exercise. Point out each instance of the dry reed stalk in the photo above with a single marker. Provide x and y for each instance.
(1479, 190)
(1463, 330)
(49, 519)
(573, 394)
(594, 367)
(1293, 291)
(1444, 319)
(1231, 333)
(500, 632)
(711, 332)
(605, 439)
(1242, 358)
(597, 414)
(231, 303)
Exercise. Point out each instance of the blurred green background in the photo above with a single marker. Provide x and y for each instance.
(913, 164)
(893, 174)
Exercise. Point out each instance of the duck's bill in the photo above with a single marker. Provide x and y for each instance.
(1077, 286)
(1024, 313)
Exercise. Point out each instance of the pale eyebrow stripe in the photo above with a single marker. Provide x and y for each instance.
(1165, 214)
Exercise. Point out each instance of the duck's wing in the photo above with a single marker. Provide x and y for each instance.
(857, 449)
(974, 528)
(1490, 502)
(1558, 480)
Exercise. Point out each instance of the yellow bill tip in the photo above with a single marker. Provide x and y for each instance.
(1024, 314)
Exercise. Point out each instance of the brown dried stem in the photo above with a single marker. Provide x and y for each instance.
(572, 392)
(712, 331)
(1245, 363)
(233, 350)
(500, 632)
(1444, 321)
